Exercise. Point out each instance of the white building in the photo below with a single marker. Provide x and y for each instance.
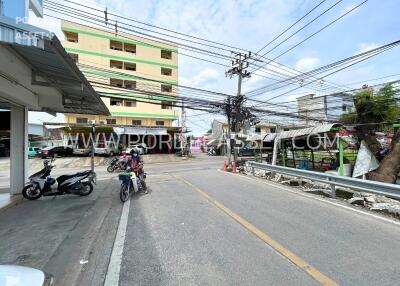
(314, 110)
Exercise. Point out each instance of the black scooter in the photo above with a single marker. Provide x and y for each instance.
(117, 164)
(40, 183)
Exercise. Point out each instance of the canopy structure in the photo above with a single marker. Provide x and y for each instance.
(297, 133)
(140, 131)
(37, 74)
(47, 78)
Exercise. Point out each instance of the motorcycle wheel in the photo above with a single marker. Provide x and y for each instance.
(31, 192)
(124, 193)
(144, 185)
(110, 169)
(87, 189)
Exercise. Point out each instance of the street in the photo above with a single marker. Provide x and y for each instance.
(200, 226)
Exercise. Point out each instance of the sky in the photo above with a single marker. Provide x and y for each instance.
(250, 24)
(14, 8)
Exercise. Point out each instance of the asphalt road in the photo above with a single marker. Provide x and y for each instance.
(200, 226)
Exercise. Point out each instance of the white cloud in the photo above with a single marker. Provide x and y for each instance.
(253, 82)
(307, 64)
(348, 8)
(204, 77)
(364, 47)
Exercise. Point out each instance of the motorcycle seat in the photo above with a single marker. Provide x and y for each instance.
(63, 178)
(41, 174)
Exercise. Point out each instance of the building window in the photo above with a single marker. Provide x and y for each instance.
(111, 121)
(130, 84)
(258, 130)
(71, 37)
(116, 102)
(81, 120)
(160, 123)
(136, 122)
(272, 130)
(74, 57)
(116, 64)
(166, 54)
(166, 88)
(116, 82)
(130, 103)
(165, 71)
(344, 107)
(130, 48)
(115, 45)
(130, 66)
(166, 105)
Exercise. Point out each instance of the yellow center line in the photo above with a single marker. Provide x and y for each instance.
(296, 260)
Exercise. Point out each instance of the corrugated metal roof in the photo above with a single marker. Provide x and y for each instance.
(270, 137)
(301, 132)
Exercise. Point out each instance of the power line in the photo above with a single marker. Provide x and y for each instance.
(328, 67)
(157, 27)
(87, 19)
(336, 71)
(98, 18)
(320, 30)
(291, 26)
(303, 27)
(134, 29)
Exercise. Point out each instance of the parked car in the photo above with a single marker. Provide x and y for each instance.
(106, 149)
(81, 151)
(142, 148)
(245, 151)
(14, 275)
(51, 152)
(33, 151)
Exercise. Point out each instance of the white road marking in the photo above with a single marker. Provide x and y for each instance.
(315, 198)
(114, 267)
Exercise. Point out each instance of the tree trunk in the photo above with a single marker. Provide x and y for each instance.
(390, 165)
(367, 134)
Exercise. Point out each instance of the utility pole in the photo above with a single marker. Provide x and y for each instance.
(183, 131)
(239, 66)
(229, 141)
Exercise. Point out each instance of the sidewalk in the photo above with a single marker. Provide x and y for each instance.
(68, 236)
(6, 200)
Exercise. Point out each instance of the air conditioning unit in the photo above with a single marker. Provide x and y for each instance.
(102, 122)
(91, 121)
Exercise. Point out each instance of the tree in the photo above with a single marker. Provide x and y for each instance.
(373, 110)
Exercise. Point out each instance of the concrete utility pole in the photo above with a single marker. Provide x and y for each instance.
(239, 66)
(228, 141)
(183, 131)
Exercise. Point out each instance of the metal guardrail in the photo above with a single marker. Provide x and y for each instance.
(384, 189)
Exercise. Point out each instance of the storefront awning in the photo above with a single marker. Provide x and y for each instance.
(301, 132)
(140, 131)
(46, 79)
(213, 143)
